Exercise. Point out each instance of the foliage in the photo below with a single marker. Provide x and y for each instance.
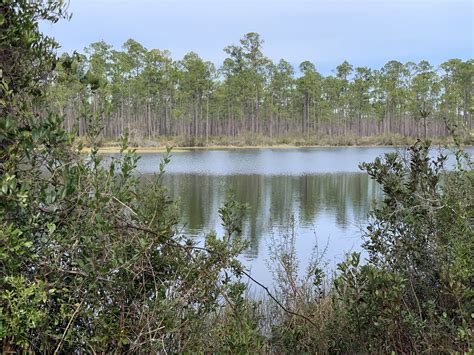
(304, 293)
(413, 294)
(91, 259)
(155, 96)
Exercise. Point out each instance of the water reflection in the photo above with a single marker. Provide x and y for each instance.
(323, 189)
(335, 205)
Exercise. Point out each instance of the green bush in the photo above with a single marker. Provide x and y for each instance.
(91, 260)
(415, 291)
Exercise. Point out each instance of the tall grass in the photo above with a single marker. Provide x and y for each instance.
(265, 141)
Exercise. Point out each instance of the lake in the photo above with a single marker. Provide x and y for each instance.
(321, 188)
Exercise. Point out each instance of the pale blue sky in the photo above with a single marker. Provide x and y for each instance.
(364, 32)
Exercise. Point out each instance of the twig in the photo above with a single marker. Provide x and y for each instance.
(126, 206)
(276, 300)
(67, 328)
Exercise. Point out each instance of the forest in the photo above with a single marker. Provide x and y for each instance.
(152, 95)
(92, 259)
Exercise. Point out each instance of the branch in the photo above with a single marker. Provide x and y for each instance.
(67, 328)
(187, 249)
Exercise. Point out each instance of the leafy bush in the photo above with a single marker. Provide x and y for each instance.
(415, 292)
(91, 260)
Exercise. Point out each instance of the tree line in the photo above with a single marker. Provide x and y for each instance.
(152, 95)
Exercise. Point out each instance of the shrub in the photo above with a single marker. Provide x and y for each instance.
(415, 292)
(91, 261)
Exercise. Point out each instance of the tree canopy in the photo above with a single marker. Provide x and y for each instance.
(154, 95)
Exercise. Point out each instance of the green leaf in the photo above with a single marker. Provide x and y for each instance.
(51, 228)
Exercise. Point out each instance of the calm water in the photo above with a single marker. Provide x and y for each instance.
(322, 188)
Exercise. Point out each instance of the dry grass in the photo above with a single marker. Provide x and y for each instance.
(182, 144)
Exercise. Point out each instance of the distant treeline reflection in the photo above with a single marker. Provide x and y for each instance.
(344, 197)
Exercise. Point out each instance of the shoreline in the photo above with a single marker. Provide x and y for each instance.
(187, 144)
(183, 149)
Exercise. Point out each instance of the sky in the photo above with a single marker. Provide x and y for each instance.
(325, 32)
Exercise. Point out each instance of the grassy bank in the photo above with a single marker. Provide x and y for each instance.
(181, 144)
